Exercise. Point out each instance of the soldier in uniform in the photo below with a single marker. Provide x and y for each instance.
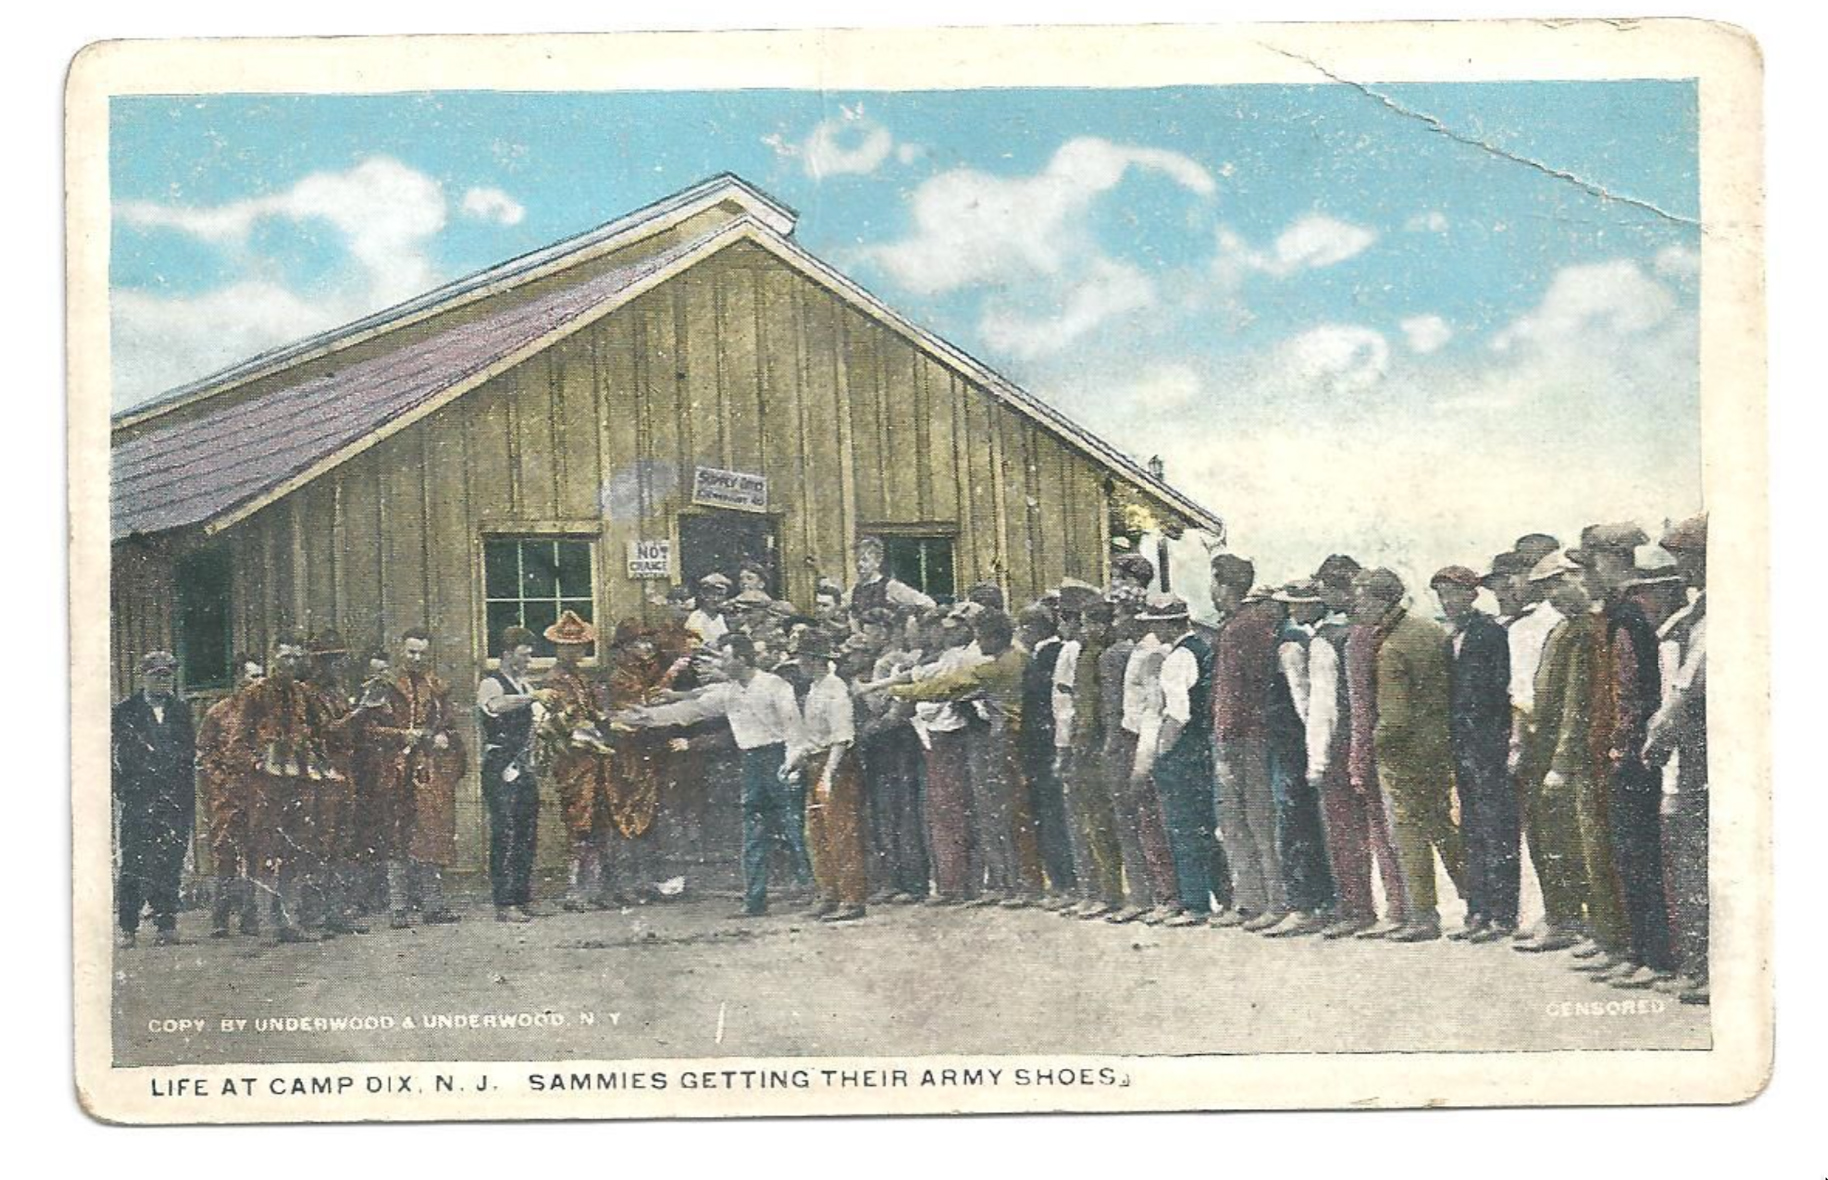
(155, 797)
(235, 807)
(410, 755)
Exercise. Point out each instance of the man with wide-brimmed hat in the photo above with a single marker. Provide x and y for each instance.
(823, 756)
(1479, 723)
(1676, 740)
(576, 755)
(1413, 747)
(1627, 690)
(1178, 754)
(1129, 665)
(1307, 877)
(155, 797)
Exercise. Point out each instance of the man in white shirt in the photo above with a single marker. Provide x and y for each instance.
(708, 620)
(765, 720)
(875, 589)
(1180, 756)
(1528, 617)
(1142, 720)
(823, 753)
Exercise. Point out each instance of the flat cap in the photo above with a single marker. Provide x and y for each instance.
(1616, 538)
(1455, 575)
(158, 659)
(1300, 590)
(1553, 565)
(1336, 569)
(1076, 595)
(1688, 536)
(1163, 608)
(715, 581)
(1382, 584)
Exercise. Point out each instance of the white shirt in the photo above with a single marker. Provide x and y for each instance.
(761, 713)
(943, 716)
(1180, 671)
(1292, 657)
(1527, 637)
(708, 628)
(1140, 681)
(828, 717)
(1323, 703)
(490, 692)
(899, 593)
(1066, 674)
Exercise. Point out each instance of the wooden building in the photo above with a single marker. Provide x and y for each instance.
(677, 389)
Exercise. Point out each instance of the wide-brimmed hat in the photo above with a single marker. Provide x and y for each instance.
(1553, 566)
(1601, 538)
(1075, 595)
(1336, 569)
(1302, 590)
(328, 642)
(1506, 565)
(571, 630)
(1163, 608)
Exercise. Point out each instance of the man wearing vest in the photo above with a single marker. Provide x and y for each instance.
(155, 797)
(506, 704)
(875, 589)
(1181, 759)
(1038, 634)
(1307, 878)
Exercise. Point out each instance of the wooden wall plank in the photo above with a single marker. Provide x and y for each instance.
(739, 367)
(901, 443)
(696, 320)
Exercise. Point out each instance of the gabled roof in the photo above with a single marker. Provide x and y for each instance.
(215, 467)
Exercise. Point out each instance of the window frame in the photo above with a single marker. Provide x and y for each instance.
(590, 536)
(921, 532)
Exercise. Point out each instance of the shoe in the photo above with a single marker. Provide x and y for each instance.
(573, 906)
(1674, 985)
(510, 914)
(1588, 949)
(401, 920)
(822, 909)
(880, 897)
(1017, 902)
(1347, 928)
(1625, 969)
(219, 932)
(1418, 932)
(1639, 979)
(1156, 915)
(1264, 922)
(1474, 926)
(1227, 919)
(1096, 911)
(982, 901)
(291, 934)
(1493, 932)
(1298, 926)
(746, 912)
(167, 938)
(1696, 994)
(534, 910)
(1125, 915)
(1549, 940)
(1381, 930)
(1185, 918)
(847, 914)
(441, 918)
(1599, 963)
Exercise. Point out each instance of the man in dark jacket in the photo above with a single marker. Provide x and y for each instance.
(1037, 633)
(1479, 725)
(155, 795)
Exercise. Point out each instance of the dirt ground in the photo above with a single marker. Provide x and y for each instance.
(682, 979)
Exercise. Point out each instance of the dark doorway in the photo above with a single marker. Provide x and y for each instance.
(718, 542)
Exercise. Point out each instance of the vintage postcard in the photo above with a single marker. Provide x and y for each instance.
(1028, 569)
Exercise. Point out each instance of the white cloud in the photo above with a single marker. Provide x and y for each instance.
(849, 142)
(1338, 359)
(907, 153)
(384, 214)
(1426, 333)
(1603, 299)
(1432, 222)
(1162, 388)
(491, 204)
(1309, 243)
(972, 228)
(1109, 289)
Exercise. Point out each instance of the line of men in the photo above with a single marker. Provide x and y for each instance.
(1098, 753)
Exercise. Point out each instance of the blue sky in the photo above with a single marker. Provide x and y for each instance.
(1342, 324)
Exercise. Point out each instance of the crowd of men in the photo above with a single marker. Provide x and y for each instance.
(1295, 770)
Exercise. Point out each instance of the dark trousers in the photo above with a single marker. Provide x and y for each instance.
(1637, 851)
(771, 815)
(514, 810)
(1301, 846)
(898, 842)
(152, 863)
(1489, 826)
(1185, 786)
(957, 868)
(1047, 803)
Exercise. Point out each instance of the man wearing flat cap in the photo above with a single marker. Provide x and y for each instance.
(1180, 758)
(1307, 878)
(1627, 691)
(1413, 748)
(1676, 740)
(708, 621)
(1479, 723)
(155, 797)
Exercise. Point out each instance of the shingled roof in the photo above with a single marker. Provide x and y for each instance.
(213, 465)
